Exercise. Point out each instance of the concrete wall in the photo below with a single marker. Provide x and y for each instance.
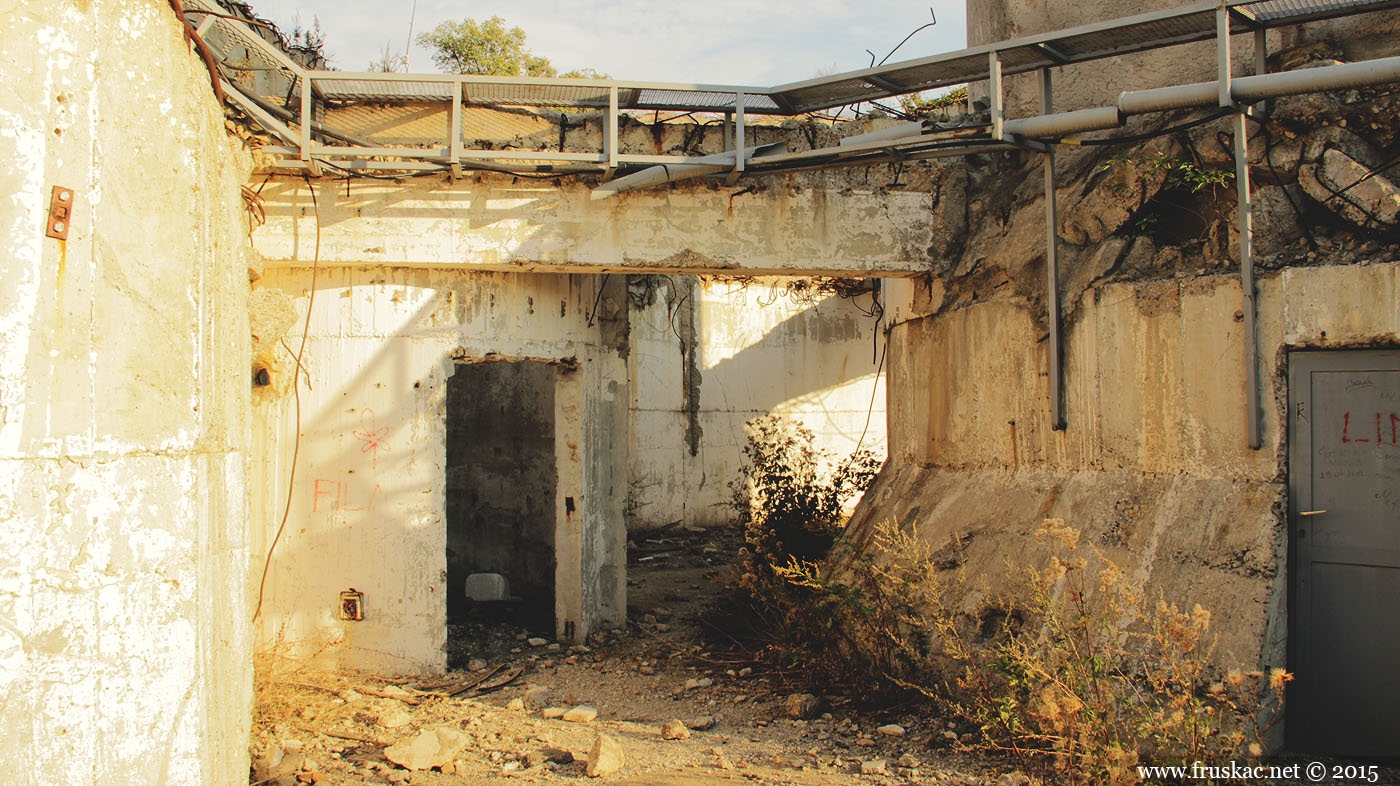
(709, 355)
(368, 503)
(124, 378)
(1154, 465)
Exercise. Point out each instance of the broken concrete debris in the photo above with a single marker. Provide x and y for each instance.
(581, 714)
(432, 748)
(675, 730)
(606, 758)
(1352, 190)
(803, 706)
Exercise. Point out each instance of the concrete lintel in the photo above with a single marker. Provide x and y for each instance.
(791, 228)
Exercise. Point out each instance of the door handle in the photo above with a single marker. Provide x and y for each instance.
(1311, 512)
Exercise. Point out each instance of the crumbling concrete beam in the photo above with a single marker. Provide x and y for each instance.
(499, 223)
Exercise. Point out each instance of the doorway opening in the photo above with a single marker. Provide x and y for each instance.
(501, 486)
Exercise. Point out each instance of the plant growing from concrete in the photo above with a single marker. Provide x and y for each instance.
(1192, 202)
(791, 500)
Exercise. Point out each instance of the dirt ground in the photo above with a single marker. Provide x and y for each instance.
(682, 707)
(736, 721)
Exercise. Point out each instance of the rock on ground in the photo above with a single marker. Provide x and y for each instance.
(581, 714)
(606, 757)
(803, 706)
(675, 730)
(432, 748)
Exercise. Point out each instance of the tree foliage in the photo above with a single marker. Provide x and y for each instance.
(471, 47)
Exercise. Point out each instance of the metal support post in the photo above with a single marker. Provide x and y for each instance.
(1052, 270)
(994, 90)
(611, 142)
(739, 137)
(307, 121)
(1244, 209)
(739, 141)
(456, 130)
(1261, 58)
(1223, 56)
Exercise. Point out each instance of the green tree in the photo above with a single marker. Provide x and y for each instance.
(469, 47)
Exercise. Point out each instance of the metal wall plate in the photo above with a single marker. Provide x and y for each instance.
(60, 212)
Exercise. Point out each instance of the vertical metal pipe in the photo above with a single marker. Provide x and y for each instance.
(306, 119)
(612, 129)
(1261, 58)
(739, 142)
(456, 129)
(1244, 209)
(1052, 269)
(1222, 54)
(994, 90)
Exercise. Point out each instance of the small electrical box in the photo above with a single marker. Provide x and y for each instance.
(352, 605)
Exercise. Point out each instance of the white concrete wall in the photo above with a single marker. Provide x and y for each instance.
(367, 505)
(757, 347)
(124, 377)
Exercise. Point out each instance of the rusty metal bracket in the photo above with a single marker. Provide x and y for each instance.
(60, 212)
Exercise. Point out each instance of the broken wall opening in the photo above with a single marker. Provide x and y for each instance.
(502, 483)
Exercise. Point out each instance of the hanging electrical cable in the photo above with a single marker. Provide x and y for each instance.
(296, 395)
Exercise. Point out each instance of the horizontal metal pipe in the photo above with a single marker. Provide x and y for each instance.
(1163, 99)
(669, 173)
(893, 132)
(1249, 89)
(1095, 119)
(1244, 90)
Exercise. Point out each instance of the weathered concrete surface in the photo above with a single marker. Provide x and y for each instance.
(124, 365)
(1154, 466)
(709, 355)
(848, 224)
(368, 507)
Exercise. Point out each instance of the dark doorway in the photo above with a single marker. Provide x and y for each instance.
(1344, 528)
(501, 487)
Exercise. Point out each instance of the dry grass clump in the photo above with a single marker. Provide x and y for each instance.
(1079, 671)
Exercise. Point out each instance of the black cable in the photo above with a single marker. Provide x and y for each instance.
(1341, 194)
(598, 300)
(1269, 162)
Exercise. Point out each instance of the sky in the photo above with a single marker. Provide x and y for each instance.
(761, 43)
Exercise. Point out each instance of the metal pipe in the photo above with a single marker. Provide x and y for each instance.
(670, 173)
(1316, 80)
(1163, 99)
(1245, 215)
(893, 132)
(1052, 271)
(1096, 119)
(1245, 90)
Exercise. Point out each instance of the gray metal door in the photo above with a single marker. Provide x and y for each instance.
(1344, 527)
